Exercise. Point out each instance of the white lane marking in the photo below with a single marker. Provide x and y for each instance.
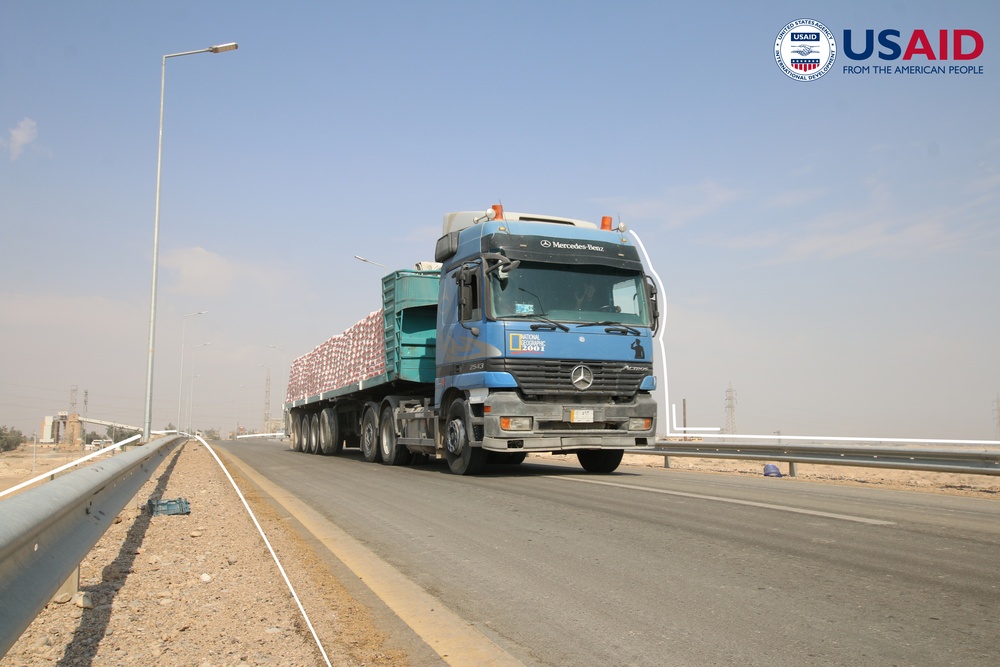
(733, 501)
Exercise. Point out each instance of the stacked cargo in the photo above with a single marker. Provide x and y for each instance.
(357, 354)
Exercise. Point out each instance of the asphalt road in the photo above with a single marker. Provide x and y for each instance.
(652, 566)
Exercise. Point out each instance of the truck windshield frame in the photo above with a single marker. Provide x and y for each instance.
(569, 293)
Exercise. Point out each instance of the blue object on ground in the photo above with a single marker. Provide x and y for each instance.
(175, 506)
(771, 470)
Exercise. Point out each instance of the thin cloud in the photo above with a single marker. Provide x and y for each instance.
(796, 198)
(203, 273)
(880, 226)
(22, 135)
(679, 206)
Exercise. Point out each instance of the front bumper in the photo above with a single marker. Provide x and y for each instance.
(554, 430)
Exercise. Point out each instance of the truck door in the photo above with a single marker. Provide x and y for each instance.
(461, 343)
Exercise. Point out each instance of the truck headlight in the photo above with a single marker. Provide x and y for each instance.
(515, 423)
(640, 424)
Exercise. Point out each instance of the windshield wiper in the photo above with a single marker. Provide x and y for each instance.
(612, 327)
(548, 322)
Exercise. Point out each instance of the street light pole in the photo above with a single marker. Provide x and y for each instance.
(281, 383)
(180, 388)
(267, 400)
(191, 390)
(148, 419)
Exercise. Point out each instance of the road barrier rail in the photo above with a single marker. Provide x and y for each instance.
(46, 531)
(967, 459)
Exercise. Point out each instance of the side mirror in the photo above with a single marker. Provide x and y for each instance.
(651, 295)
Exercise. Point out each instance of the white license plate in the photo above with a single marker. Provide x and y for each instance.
(581, 416)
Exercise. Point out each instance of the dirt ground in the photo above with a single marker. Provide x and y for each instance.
(199, 589)
(984, 486)
(202, 589)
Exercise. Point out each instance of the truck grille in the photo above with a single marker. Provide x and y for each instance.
(543, 377)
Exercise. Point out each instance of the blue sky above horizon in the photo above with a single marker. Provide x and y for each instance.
(830, 248)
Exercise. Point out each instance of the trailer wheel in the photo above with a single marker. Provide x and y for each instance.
(600, 460)
(330, 441)
(296, 421)
(392, 453)
(312, 428)
(463, 458)
(369, 435)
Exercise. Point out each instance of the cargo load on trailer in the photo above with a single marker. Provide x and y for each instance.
(530, 333)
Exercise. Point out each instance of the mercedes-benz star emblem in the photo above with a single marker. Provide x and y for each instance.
(582, 377)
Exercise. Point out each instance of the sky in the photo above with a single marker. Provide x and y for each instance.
(829, 249)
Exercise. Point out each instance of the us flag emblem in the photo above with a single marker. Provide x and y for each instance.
(805, 64)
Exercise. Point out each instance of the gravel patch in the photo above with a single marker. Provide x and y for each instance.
(201, 589)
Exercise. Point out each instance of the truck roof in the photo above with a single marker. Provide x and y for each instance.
(459, 220)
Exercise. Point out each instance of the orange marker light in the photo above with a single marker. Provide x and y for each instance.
(606, 223)
(498, 209)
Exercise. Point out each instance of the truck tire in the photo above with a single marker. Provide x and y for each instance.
(507, 458)
(600, 460)
(296, 422)
(463, 458)
(393, 454)
(330, 441)
(313, 430)
(369, 434)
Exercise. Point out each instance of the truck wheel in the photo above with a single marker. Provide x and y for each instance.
(330, 441)
(392, 453)
(313, 430)
(369, 435)
(296, 421)
(600, 460)
(463, 458)
(507, 458)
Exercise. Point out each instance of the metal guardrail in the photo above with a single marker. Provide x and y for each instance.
(966, 460)
(46, 531)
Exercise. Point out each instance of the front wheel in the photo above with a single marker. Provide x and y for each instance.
(600, 460)
(463, 458)
(507, 458)
(369, 435)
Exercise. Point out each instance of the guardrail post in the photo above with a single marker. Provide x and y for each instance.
(71, 586)
(666, 461)
(791, 469)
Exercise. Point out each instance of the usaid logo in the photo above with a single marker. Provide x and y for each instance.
(805, 50)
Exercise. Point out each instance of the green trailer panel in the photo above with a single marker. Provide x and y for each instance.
(409, 311)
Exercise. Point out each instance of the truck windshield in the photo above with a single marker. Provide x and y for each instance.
(567, 293)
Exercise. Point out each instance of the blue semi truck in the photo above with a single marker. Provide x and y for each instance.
(529, 333)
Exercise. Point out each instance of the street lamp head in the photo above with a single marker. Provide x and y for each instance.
(368, 261)
(231, 46)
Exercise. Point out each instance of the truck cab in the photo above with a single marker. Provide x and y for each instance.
(544, 340)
